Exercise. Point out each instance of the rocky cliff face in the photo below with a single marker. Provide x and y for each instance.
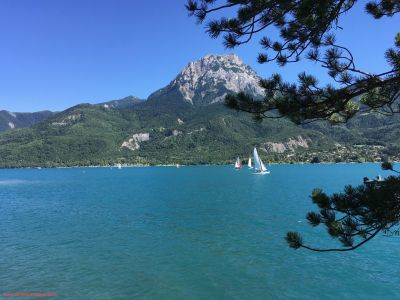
(209, 79)
(291, 145)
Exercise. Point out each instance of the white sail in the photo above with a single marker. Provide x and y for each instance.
(249, 163)
(238, 164)
(256, 158)
(259, 166)
(263, 168)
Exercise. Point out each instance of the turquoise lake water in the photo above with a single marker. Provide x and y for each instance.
(205, 232)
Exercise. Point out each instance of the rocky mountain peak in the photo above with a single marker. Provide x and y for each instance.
(210, 78)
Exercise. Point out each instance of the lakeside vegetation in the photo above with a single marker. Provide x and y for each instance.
(88, 135)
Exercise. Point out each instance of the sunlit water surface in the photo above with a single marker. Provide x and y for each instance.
(182, 233)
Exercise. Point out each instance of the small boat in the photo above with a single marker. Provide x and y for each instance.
(249, 163)
(238, 163)
(119, 166)
(259, 167)
(377, 179)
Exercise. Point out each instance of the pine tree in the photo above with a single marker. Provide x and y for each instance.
(307, 31)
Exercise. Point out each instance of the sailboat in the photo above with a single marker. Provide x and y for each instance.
(249, 163)
(238, 163)
(259, 167)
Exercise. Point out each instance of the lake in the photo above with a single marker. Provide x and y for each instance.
(201, 232)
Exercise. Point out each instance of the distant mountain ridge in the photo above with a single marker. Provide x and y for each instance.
(186, 123)
(12, 120)
(124, 103)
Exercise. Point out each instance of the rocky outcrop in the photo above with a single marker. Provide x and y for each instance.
(291, 145)
(197, 130)
(176, 132)
(209, 79)
(133, 143)
(68, 120)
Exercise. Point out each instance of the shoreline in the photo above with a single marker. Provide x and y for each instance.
(183, 165)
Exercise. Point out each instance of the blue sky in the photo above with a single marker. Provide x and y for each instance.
(55, 54)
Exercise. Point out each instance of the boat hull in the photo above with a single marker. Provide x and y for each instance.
(262, 173)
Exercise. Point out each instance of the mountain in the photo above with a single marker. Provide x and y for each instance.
(124, 103)
(186, 123)
(14, 120)
(11, 120)
(209, 79)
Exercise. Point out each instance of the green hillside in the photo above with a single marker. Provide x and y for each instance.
(186, 123)
(93, 135)
(180, 134)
